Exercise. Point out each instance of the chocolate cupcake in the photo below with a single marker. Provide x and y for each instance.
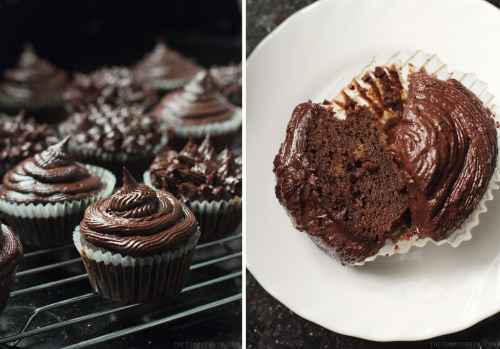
(227, 80)
(11, 253)
(44, 197)
(21, 138)
(165, 68)
(197, 110)
(137, 244)
(34, 85)
(116, 86)
(113, 137)
(209, 183)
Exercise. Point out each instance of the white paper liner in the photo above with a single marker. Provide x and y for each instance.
(407, 62)
(30, 103)
(170, 84)
(62, 208)
(129, 261)
(213, 128)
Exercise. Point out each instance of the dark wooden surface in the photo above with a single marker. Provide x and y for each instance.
(270, 323)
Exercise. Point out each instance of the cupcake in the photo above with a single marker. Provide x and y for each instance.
(21, 138)
(137, 244)
(209, 183)
(113, 137)
(405, 154)
(116, 86)
(165, 68)
(197, 110)
(34, 85)
(44, 197)
(11, 253)
(227, 80)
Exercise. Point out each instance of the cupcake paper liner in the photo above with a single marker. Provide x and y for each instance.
(407, 62)
(222, 133)
(51, 225)
(137, 279)
(217, 219)
(5, 288)
(166, 85)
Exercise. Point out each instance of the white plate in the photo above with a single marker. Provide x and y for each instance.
(428, 292)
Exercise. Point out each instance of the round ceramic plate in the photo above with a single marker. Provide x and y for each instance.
(427, 292)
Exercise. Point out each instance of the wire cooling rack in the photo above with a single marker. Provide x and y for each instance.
(53, 306)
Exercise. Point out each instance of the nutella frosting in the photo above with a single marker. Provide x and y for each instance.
(104, 128)
(49, 177)
(116, 86)
(11, 251)
(33, 77)
(138, 221)
(198, 173)
(21, 138)
(165, 63)
(447, 149)
(197, 103)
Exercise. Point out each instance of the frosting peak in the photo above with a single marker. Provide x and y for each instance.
(49, 177)
(134, 199)
(138, 221)
(197, 103)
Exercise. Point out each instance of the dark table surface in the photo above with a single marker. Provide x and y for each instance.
(270, 323)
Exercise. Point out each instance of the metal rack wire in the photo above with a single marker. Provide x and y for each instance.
(67, 299)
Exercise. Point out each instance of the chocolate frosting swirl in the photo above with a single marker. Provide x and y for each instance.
(198, 173)
(197, 103)
(49, 177)
(228, 80)
(33, 77)
(11, 251)
(21, 138)
(138, 221)
(165, 63)
(447, 148)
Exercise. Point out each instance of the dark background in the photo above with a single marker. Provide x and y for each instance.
(83, 35)
(269, 323)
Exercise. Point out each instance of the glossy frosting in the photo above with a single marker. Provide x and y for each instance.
(197, 103)
(447, 149)
(104, 128)
(227, 80)
(116, 86)
(21, 138)
(11, 251)
(198, 173)
(165, 63)
(138, 221)
(33, 77)
(49, 177)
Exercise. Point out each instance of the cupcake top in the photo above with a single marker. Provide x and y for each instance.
(116, 86)
(138, 221)
(198, 173)
(227, 80)
(447, 149)
(51, 176)
(33, 77)
(21, 138)
(107, 129)
(11, 251)
(197, 103)
(164, 63)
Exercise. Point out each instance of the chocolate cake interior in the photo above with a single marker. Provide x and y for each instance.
(358, 180)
